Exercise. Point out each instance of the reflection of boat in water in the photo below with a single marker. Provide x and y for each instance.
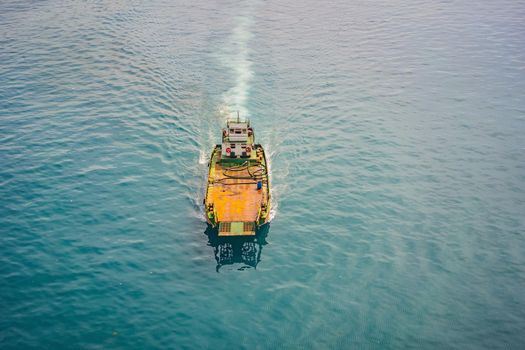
(237, 200)
(229, 250)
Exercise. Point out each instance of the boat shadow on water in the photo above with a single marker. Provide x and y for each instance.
(231, 250)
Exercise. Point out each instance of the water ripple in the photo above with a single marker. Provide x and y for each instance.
(394, 135)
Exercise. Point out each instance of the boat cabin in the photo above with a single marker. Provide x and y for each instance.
(237, 140)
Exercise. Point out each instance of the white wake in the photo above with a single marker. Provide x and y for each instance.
(237, 60)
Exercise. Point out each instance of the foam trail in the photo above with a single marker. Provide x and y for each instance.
(273, 199)
(238, 60)
(203, 157)
(275, 190)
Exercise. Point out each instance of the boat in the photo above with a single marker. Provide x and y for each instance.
(237, 200)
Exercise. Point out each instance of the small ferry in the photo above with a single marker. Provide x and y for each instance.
(237, 200)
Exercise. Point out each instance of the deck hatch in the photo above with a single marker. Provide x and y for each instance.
(236, 228)
(225, 227)
(249, 226)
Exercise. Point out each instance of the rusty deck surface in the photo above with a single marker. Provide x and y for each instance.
(237, 201)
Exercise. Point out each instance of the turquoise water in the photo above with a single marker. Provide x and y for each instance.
(395, 132)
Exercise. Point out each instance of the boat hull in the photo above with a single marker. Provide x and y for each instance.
(237, 200)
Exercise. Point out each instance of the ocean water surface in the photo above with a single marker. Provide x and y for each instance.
(395, 132)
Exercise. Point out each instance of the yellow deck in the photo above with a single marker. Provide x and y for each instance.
(233, 200)
(236, 202)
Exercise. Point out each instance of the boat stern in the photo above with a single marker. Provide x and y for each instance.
(236, 228)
